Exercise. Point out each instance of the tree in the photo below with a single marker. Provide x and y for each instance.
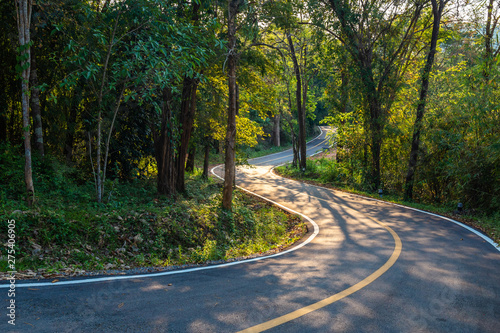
(376, 34)
(437, 11)
(164, 147)
(35, 94)
(188, 108)
(300, 108)
(487, 29)
(229, 161)
(24, 8)
(125, 52)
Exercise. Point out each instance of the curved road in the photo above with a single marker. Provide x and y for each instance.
(372, 267)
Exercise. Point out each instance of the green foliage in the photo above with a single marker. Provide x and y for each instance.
(462, 155)
(86, 57)
(326, 172)
(323, 169)
(69, 231)
(12, 171)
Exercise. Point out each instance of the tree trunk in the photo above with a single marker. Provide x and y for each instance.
(35, 108)
(206, 158)
(437, 10)
(229, 163)
(186, 116)
(237, 99)
(292, 132)
(99, 184)
(344, 98)
(186, 120)
(488, 36)
(294, 143)
(190, 159)
(304, 85)
(376, 131)
(276, 130)
(300, 110)
(106, 154)
(164, 152)
(375, 123)
(23, 9)
(101, 174)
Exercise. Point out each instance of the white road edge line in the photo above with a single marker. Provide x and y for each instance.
(149, 275)
(480, 234)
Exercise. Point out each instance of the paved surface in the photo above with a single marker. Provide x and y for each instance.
(373, 267)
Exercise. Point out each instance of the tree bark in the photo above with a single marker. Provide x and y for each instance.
(229, 162)
(344, 98)
(304, 84)
(276, 130)
(292, 132)
(106, 154)
(35, 108)
(99, 175)
(437, 10)
(23, 9)
(300, 110)
(491, 24)
(295, 149)
(376, 130)
(190, 159)
(186, 120)
(164, 148)
(206, 159)
(489, 31)
(186, 116)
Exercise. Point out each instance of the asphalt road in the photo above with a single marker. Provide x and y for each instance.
(372, 267)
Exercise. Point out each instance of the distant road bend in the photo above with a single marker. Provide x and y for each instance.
(372, 267)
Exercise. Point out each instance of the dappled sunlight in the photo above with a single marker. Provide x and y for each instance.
(153, 287)
(433, 283)
(110, 108)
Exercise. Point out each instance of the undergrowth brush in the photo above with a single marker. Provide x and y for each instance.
(68, 231)
(327, 172)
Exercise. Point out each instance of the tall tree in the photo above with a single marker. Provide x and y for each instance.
(437, 12)
(164, 147)
(35, 107)
(376, 33)
(119, 56)
(24, 8)
(492, 19)
(35, 91)
(300, 107)
(186, 120)
(188, 108)
(229, 162)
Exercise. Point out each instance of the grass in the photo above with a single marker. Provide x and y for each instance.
(326, 172)
(67, 231)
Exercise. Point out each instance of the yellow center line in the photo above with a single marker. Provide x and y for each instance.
(398, 246)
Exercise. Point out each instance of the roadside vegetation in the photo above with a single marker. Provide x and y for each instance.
(67, 231)
(106, 107)
(323, 170)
